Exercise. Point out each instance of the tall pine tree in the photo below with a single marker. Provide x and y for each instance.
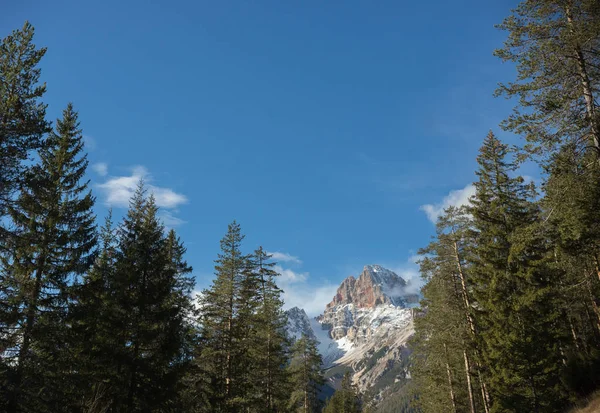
(306, 376)
(52, 244)
(22, 114)
(221, 346)
(515, 287)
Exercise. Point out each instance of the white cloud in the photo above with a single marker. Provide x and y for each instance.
(101, 168)
(312, 299)
(290, 276)
(170, 220)
(300, 291)
(455, 198)
(284, 257)
(118, 190)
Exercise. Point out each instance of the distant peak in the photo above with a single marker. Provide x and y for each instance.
(374, 286)
(375, 268)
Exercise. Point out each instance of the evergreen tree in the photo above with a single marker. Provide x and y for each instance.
(22, 114)
(94, 318)
(514, 285)
(306, 376)
(140, 288)
(262, 322)
(344, 400)
(556, 47)
(52, 245)
(572, 207)
(444, 344)
(221, 347)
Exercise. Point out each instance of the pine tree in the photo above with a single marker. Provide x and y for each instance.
(270, 339)
(306, 376)
(22, 114)
(572, 207)
(221, 347)
(514, 289)
(52, 245)
(556, 46)
(444, 345)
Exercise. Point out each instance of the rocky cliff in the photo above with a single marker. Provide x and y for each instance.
(364, 329)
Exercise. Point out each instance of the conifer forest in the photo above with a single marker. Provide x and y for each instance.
(99, 314)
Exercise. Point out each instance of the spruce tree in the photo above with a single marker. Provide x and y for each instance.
(572, 206)
(94, 319)
(269, 346)
(54, 237)
(445, 348)
(22, 114)
(221, 344)
(306, 376)
(514, 285)
(152, 299)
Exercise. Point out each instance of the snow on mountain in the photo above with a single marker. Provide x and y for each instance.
(364, 329)
(299, 324)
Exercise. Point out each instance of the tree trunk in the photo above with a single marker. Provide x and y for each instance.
(29, 325)
(450, 385)
(471, 323)
(585, 84)
(469, 385)
(485, 397)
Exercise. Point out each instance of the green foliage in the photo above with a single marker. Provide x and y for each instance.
(556, 47)
(306, 376)
(52, 243)
(22, 114)
(345, 400)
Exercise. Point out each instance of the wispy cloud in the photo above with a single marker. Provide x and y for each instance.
(284, 257)
(100, 168)
(455, 198)
(299, 290)
(118, 190)
(89, 143)
(170, 220)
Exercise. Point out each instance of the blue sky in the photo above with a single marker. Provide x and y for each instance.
(322, 127)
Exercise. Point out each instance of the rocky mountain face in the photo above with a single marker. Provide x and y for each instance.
(299, 324)
(364, 330)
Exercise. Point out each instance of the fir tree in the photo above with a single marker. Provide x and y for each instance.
(220, 333)
(153, 295)
(572, 207)
(22, 114)
(270, 339)
(52, 245)
(306, 376)
(514, 288)
(94, 319)
(139, 289)
(444, 344)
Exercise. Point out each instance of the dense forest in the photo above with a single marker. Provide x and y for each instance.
(98, 316)
(510, 319)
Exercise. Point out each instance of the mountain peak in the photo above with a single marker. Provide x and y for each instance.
(298, 324)
(374, 286)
